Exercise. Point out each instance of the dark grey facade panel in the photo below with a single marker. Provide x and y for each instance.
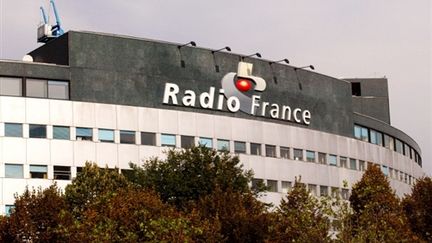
(55, 51)
(376, 107)
(34, 70)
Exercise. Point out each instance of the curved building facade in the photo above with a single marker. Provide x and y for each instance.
(114, 100)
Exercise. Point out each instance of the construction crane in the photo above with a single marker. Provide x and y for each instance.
(46, 31)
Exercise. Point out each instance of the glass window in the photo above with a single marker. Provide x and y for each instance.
(286, 186)
(332, 159)
(345, 194)
(411, 153)
(362, 165)
(312, 189)
(11, 86)
(255, 148)
(58, 90)
(239, 147)
(357, 132)
(376, 137)
(208, 142)
(83, 133)
(310, 156)
(168, 140)
(298, 154)
(272, 185)
(106, 135)
(223, 145)
(284, 152)
(385, 170)
(388, 142)
(364, 134)
(322, 158)
(335, 192)
(148, 138)
(270, 150)
(187, 141)
(9, 209)
(127, 137)
(399, 146)
(37, 131)
(353, 164)
(38, 171)
(13, 130)
(406, 149)
(14, 171)
(36, 88)
(62, 172)
(256, 182)
(323, 191)
(60, 132)
(343, 162)
(79, 170)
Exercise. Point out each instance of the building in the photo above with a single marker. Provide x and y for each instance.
(115, 99)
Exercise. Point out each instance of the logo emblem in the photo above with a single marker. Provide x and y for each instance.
(243, 85)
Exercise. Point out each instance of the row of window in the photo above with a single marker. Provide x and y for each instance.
(382, 139)
(39, 88)
(316, 190)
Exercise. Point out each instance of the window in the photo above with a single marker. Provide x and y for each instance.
(284, 152)
(364, 134)
(168, 140)
(58, 90)
(411, 153)
(343, 162)
(310, 156)
(106, 135)
(312, 189)
(298, 154)
(272, 186)
(388, 142)
(13, 130)
(127, 137)
(223, 145)
(148, 138)
(401, 175)
(270, 150)
(79, 170)
(286, 186)
(322, 158)
(356, 89)
(256, 183)
(239, 147)
(391, 173)
(353, 164)
(9, 209)
(37, 131)
(345, 193)
(335, 192)
(332, 159)
(62, 173)
(357, 132)
(11, 86)
(255, 148)
(207, 142)
(362, 165)
(376, 137)
(36, 88)
(187, 141)
(399, 146)
(14, 171)
(385, 170)
(323, 191)
(83, 133)
(38, 171)
(60, 132)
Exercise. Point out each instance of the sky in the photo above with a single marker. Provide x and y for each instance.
(341, 38)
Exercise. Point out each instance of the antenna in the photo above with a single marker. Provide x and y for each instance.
(46, 31)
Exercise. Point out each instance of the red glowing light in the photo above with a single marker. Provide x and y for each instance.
(243, 85)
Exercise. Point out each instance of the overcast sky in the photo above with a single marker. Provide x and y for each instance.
(342, 38)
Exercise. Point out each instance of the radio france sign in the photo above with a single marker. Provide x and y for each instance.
(240, 92)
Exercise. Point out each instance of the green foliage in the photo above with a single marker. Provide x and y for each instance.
(418, 208)
(187, 175)
(377, 215)
(302, 217)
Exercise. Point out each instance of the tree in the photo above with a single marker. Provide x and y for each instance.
(418, 208)
(377, 215)
(187, 175)
(36, 217)
(301, 217)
